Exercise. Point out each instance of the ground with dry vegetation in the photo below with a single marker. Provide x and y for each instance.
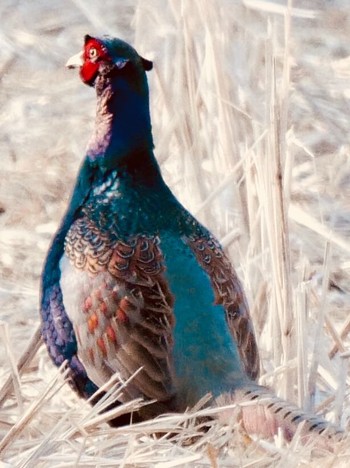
(250, 107)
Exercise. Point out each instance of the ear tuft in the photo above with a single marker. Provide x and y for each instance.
(87, 38)
(147, 64)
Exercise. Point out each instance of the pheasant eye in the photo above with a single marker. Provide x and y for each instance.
(92, 53)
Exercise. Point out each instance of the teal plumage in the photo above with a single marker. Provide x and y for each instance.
(133, 283)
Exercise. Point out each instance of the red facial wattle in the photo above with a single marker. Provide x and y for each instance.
(94, 54)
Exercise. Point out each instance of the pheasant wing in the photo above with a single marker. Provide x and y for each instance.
(228, 292)
(117, 298)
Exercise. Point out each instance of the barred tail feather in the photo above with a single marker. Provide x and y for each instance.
(263, 413)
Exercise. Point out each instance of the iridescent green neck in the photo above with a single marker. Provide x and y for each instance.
(122, 126)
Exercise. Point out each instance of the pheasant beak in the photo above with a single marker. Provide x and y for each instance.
(76, 61)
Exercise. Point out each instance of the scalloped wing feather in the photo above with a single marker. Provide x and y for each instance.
(228, 292)
(120, 305)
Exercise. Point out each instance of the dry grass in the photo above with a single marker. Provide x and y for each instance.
(250, 107)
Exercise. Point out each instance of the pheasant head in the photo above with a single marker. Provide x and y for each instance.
(123, 124)
(105, 57)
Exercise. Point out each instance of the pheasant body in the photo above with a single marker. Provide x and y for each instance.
(133, 284)
(105, 243)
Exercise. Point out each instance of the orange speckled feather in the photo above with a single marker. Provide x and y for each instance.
(123, 317)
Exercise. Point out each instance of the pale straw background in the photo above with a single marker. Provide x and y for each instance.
(250, 105)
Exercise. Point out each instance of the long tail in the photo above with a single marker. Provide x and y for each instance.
(262, 413)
